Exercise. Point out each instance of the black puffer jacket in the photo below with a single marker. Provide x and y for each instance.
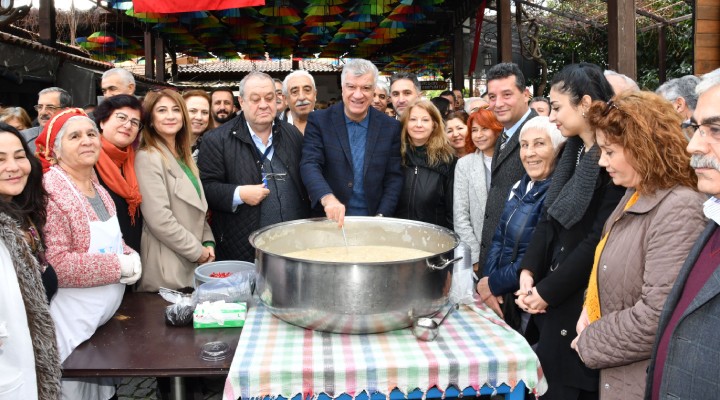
(427, 193)
(228, 159)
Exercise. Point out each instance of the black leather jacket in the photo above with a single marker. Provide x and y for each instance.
(427, 193)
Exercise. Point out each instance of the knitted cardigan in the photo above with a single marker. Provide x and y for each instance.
(42, 329)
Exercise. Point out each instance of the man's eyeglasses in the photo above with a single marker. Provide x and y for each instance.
(708, 131)
(40, 107)
(124, 119)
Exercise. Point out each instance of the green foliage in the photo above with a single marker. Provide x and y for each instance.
(679, 58)
(589, 44)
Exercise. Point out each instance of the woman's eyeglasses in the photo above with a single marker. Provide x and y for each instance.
(124, 119)
(608, 107)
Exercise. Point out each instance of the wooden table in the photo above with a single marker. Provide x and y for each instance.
(137, 342)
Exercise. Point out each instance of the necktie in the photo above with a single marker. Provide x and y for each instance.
(503, 140)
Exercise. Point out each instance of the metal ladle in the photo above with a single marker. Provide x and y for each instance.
(427, 329)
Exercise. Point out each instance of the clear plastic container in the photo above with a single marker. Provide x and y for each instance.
(215, 351)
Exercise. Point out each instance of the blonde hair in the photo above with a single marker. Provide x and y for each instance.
(150, 137)
(439, 150)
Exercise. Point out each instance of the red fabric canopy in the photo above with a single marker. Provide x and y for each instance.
(175, 6)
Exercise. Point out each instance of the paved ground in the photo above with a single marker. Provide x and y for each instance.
(144, 388)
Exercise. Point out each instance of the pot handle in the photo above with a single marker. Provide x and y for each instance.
(444, 264)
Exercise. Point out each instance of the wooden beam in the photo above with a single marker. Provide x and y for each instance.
(504, 31)
(622, 51)
(708, 12)
(159, 59)
(149, 38)
(662, 53)
(672, 21)
(707, 39)
(46, 16)
(458, 76)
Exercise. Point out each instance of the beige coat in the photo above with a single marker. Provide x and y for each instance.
(175, 223)
(646, 247)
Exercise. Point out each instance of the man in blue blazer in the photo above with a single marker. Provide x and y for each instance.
(351, 152)
(684, 361)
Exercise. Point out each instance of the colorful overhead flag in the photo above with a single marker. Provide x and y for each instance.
(177, 6)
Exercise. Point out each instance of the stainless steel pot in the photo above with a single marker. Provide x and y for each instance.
(353, 298)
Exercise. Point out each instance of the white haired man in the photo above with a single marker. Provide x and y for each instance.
(620, 82)
(300, 94)
(351, 152)
(117, 81)
(381, 97)
(681, 93)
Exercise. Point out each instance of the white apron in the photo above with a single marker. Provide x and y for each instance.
(78, 312)
(17, 359)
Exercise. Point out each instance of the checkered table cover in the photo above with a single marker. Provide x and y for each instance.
(474, 348)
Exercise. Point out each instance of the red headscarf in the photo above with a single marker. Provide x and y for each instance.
(45, 142)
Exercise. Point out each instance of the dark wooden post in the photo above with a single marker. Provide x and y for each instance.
(48, 33)
(159, 59)
(458, 76)
(149, 54)
(662, 53)
(622, 45)
(504, 40)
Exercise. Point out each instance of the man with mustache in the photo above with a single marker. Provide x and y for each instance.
(300, 91)
(249, 168)
(684, 360)
(221, 105)
(51, 101)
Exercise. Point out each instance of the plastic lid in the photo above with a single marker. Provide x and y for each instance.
(215, 351)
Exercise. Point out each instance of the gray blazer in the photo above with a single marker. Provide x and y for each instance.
(30, 134)
(470, 195)
(506, 170)
(691, 368)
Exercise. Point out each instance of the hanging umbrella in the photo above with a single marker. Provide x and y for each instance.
(317, 9)
(122, 5)
(327, 20)
(167, 28)
(388, 23)
(192, 17)
(283, 14)
(152, 18)
(101, 37)
(372, 7)
(362, 17)
(327, 2)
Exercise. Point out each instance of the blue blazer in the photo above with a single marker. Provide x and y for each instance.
(327, 167)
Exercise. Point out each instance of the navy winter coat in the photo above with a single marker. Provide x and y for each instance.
(517, 223)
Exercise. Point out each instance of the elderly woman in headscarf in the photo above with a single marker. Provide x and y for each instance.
(84, 241)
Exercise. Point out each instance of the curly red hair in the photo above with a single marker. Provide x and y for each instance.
(648, 129)
(483, 118)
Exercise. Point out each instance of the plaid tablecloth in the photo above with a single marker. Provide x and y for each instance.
(474, 348)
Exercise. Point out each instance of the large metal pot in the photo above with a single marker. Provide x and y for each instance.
(346, 297)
